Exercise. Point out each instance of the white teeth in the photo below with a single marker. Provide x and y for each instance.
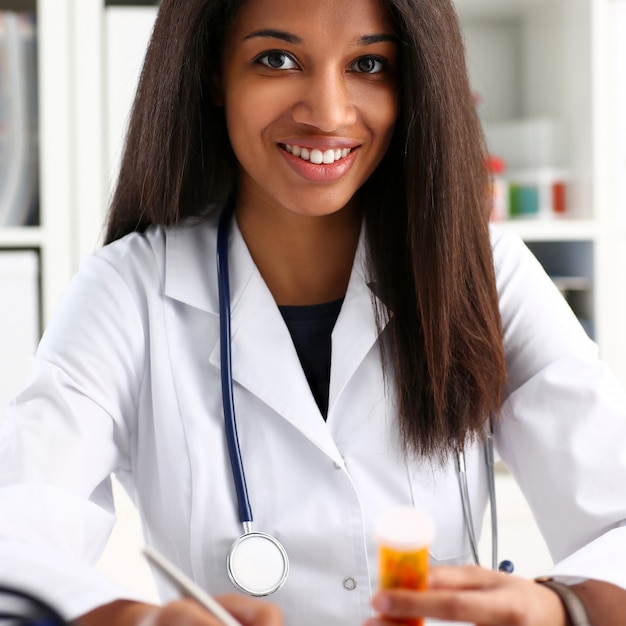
(329, 156)
(317, 156)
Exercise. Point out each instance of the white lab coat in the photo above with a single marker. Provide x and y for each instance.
(127, 380)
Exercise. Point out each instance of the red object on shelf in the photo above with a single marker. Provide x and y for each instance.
(559, 205)
(495, 164)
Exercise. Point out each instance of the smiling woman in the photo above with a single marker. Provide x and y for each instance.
(300, 232)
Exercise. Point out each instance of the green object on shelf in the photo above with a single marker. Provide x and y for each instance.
(523, 200)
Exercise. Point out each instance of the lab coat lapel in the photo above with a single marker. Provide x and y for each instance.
(264, 359)
(355, 332)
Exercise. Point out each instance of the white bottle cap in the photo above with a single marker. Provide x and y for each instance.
(405, 528)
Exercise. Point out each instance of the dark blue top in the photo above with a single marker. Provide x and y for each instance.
(310, 328)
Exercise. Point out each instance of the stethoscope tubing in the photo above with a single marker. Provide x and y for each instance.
(505, 566)
(491, 485)
(228, 402)
(36, 611)
(467, 508)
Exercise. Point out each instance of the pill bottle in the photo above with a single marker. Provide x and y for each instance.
(404, 536)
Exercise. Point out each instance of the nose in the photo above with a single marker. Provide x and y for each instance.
(326, 102)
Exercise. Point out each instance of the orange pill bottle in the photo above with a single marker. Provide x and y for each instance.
(404, 536)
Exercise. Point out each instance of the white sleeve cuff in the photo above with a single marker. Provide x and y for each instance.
(602, 559)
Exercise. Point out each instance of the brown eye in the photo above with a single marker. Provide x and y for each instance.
(368, 65)
(277, 60)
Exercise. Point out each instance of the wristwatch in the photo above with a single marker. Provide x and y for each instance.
(574, 608)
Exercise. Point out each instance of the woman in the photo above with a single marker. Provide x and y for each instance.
(341, 137)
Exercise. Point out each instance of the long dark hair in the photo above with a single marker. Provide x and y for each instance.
(425, 206)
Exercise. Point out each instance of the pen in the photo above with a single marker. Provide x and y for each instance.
(188, 587)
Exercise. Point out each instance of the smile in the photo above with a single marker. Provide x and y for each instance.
(318, 156)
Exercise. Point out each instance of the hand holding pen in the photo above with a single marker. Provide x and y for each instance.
(232, 610)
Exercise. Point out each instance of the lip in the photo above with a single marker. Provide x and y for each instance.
(323, 172)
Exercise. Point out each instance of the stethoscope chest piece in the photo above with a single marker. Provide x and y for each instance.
(257, 564)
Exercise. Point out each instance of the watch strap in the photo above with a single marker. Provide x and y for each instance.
(574, 608)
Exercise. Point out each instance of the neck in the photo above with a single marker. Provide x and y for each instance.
(304, 260)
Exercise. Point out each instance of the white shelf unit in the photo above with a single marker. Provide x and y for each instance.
(54, 236)
(71, 191)
(35, 259)
(19, 323)
(548, 59)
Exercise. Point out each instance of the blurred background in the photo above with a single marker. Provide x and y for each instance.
(549, 82)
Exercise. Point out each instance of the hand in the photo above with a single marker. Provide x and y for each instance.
(472, 594)
(187, 612)
(184, 612)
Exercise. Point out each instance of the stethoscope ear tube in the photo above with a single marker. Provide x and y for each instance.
(505, 566)
(491, 485)
(467, 508)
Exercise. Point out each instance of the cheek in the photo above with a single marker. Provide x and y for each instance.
(249, 115)
(379, 111)
(388, 111)
(238, 121)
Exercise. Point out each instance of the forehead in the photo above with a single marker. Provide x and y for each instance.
(308, 19)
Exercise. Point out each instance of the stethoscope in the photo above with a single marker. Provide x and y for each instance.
(20, 608)
(257, 563)
(506, 565)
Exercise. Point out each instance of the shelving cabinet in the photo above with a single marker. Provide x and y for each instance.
(52, 236)
(72, 193)
(34, 260)
(550, 60)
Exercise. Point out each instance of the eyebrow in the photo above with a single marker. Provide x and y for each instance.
(367, 40)
(272, 33)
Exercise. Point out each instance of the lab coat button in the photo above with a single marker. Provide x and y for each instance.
(337, 465)
(349, 583)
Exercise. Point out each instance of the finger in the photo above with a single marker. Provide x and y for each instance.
(466, 577)
(466, 605)
(183, 612)
(252, 611)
